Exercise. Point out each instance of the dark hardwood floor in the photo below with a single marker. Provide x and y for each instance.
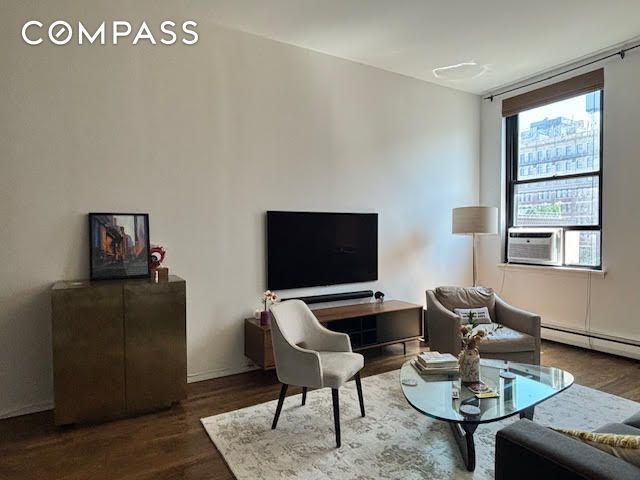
(173, 445)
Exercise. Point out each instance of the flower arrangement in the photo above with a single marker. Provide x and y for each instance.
(268, 298)
(471, 337)
(469, 358)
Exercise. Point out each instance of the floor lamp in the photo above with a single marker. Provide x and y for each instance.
(475, 221)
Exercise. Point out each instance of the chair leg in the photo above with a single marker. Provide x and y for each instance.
(336, 414)
(359, 388)
(304, 395)
(283, 392)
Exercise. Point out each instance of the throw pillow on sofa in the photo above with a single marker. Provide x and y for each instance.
(625, 447)
(480, 315)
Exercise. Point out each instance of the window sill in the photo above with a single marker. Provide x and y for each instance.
(550, 269)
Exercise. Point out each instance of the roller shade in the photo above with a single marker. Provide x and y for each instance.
(588, 82)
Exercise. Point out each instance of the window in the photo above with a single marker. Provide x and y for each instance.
(563, 193)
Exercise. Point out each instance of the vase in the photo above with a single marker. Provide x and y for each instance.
(264, 318)
(469, 361)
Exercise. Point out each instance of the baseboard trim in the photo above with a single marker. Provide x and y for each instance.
(191, 378)
(35, 408)
(219, 372)
(584, 340)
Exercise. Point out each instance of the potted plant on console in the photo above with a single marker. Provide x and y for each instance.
(268, 298)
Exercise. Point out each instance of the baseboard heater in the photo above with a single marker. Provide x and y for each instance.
(599, 336)
(594, 341)
(333, 297)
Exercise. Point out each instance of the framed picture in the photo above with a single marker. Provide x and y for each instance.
(119, 245)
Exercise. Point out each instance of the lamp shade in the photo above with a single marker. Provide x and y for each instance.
(475, 220)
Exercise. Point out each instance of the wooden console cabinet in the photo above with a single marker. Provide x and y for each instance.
(368, 325)
(119, 348)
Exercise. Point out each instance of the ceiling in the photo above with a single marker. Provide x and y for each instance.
(497, 42)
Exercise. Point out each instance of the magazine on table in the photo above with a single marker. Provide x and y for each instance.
(482, 390)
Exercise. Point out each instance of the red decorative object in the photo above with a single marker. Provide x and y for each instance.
(158, 253)
(265, 318)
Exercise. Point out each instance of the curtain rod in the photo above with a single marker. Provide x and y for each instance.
(620, 53)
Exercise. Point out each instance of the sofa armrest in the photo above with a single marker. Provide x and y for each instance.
(520, 320)
(517, 319)
(443, 326)
(527, 450)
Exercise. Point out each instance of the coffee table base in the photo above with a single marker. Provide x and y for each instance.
(463, 433)
(528, 413)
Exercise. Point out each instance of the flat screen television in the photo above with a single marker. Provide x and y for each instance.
(310, 249)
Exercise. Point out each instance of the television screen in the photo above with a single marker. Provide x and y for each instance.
(306, 249)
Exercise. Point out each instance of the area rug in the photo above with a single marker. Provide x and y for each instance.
(392, 442)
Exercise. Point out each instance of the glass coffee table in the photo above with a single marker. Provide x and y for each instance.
(529, 386)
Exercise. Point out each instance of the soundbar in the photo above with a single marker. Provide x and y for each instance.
(333, 297)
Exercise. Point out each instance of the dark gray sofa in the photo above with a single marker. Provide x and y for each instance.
(526, 450)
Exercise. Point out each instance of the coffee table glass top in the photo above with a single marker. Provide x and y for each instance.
(532, 384)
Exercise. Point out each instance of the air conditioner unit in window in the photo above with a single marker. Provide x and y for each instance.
(540, 246)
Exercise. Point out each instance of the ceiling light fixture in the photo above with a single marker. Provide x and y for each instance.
(460, 71)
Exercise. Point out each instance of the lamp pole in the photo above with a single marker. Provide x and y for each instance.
(475, 270)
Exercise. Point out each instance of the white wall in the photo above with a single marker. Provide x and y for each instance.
(561, 297)
(205, 139)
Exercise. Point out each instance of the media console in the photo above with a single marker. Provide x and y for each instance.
(369, 325)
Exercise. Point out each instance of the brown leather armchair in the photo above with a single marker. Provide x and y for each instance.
(517, 341)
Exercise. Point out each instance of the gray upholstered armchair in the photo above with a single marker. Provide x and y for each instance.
(517, 341)
(310, 356)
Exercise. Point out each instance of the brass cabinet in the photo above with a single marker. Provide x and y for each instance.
(119, 348)
(88, 353)
(155, 348)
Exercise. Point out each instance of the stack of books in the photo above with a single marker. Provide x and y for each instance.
(435, 363)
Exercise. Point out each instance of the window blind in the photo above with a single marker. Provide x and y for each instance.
(587, 82)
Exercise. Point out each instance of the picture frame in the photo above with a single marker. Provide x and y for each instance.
(119, 245)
